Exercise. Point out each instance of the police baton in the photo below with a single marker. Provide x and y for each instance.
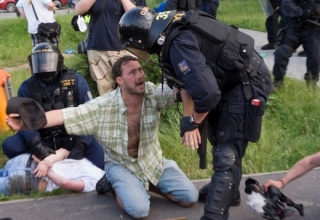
(202, 148)
(313, 22)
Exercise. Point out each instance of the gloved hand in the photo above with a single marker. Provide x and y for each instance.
(187, 125)
(79, 149)
(36, 148)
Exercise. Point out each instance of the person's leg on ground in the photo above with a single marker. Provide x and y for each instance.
(289, 43)
(311, 44)
(14, 145)
(272, 31)
(176, 186)
(15, 175)
(130, 191)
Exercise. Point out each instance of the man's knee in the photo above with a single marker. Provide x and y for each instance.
(13, 146)
(138, 209)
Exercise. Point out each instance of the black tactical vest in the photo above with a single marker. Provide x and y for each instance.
(64, 96)
(226, 49)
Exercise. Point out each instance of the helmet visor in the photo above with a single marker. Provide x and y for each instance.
(137, 50)
(44, 62)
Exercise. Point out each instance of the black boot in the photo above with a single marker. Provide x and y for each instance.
(271, 46)
(103, 186)
(302, 54)
(36, 148)
(277, 84)
(203, 192)
(311, 80)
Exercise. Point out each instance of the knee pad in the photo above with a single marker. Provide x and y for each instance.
(221, 192)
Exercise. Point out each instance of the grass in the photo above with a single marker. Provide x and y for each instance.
(290, 128)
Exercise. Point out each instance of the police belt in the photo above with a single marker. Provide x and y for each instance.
(251, 70)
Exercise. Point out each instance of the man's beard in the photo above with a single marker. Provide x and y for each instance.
(133, 91)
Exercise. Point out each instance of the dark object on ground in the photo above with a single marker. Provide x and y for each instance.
(302, 54)
(103, 186)
(271, 46)
(270, 204)
(203, 192)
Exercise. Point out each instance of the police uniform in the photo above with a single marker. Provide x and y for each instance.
(299, 30)
(221, 71)
(230, 106)
(17, 144)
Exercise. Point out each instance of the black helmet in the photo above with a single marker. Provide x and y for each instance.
(46, 60)
(140, 27)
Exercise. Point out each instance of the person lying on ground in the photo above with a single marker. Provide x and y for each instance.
(18, 175)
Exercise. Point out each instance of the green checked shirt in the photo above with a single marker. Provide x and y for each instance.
(105, 118)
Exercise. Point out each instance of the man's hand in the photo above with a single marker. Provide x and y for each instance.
(42, 168)
(277, 184)
(191, 139)
(14, 122)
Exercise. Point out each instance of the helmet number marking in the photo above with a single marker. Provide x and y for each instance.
(162, 15)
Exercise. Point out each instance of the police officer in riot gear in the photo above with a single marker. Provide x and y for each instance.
(303, 28)
(53, 86)
(190, 61)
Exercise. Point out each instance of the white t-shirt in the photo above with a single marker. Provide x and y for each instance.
(77, 170)
(43, 13)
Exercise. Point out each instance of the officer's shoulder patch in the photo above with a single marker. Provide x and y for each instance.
(184, 67)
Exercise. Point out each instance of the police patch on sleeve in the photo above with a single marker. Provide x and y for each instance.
(184, 67)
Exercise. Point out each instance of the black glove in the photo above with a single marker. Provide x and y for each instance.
(79, 149)
(187, 124)
(35, 146)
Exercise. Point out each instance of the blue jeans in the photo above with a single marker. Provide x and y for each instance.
(136, 200)
(15, 167)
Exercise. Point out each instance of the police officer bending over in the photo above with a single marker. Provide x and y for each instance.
(53, 86)
(303, 28)
(225, 79)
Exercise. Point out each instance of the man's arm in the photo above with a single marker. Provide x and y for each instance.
(191, 139)
(299, 169)
(54, 118)
(74, 185)
(127, 4)
(21, 11)
(83, 6)
(51, 6)
(46, 163)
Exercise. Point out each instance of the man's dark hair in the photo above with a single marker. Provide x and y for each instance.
(117, 66)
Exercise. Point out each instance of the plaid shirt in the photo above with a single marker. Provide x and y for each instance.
(105, 117)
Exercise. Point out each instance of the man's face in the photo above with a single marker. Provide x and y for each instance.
(132, 79)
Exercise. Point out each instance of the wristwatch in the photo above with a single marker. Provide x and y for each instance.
(191, 119)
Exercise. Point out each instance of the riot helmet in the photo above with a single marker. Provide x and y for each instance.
(141, 27)
(46, 61)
